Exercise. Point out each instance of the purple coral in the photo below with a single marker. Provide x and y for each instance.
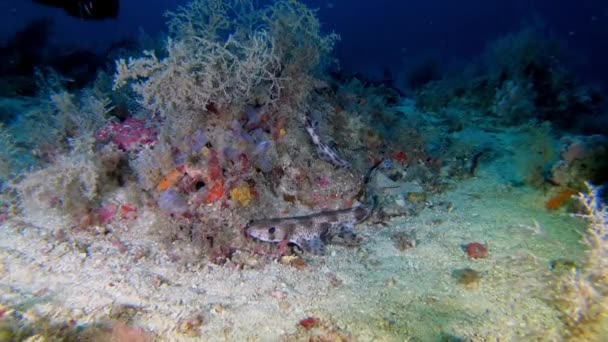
(198, 140)
(253, 145)
(172, 202)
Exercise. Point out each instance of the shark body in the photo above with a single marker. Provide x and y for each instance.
(312, 232)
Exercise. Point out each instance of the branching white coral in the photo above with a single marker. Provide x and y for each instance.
(597, 233)
(298, 33)
(72, 182)
(202, 72)
(63, 116)
(582, 293)
(226, 52)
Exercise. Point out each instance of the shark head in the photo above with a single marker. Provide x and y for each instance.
(267, 230)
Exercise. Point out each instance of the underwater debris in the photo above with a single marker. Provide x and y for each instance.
(190, 326)
(474, 164)
(309, 322)
(293, 261)
(291, 199)
(400, 157)
(467, 277)
(315, 329)
(222, 254)
(123, 312)
(325, 152)
(416, 197)
(403, 241)
(562, 266)
(476, 250)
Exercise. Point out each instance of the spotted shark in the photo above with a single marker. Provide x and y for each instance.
(311, 232)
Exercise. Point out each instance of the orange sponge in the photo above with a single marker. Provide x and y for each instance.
(558, 200)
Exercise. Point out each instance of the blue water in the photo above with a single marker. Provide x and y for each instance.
(375, 34)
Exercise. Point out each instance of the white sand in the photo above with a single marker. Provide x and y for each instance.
(371, 293)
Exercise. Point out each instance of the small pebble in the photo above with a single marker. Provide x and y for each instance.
(475, 250)
(403, 241)
(190, 326)
(218, 309)
(284, 305)
(467, 277)
(416, 197)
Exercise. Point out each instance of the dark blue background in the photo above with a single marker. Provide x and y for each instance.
(375, 33)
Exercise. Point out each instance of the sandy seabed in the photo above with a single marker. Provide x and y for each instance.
(374, 292)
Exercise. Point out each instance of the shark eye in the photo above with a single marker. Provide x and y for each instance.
(271, 230)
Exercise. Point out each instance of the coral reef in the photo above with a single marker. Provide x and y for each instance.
(581, 293)
(520, 77)
(207, 145)
(162, 171)
(582, 158)
(261, 57)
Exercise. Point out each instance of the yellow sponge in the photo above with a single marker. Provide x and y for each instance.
(241, 194)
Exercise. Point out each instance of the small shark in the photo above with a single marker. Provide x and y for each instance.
(312, 232)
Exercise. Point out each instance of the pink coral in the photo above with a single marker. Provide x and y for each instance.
(127, 135)
(106, 213)
(323, 182)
